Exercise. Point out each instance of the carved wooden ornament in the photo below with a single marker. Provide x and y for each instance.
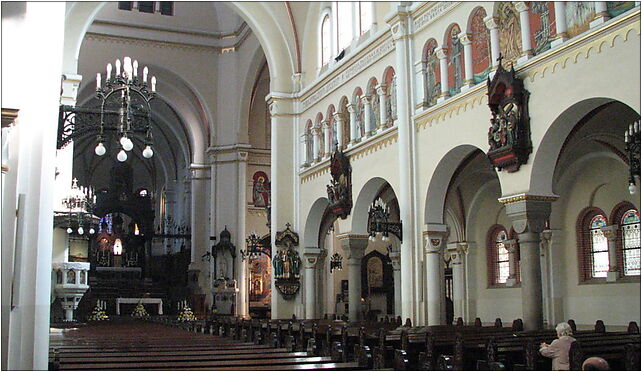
(340, 187)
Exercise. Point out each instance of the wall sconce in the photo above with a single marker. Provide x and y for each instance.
(378, 215)
(336, 262)
(632, 141)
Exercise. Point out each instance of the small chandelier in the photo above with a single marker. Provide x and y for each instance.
(632, 141)
(79, 203)
(336, 262)
(378, 215)
(255, 248)
(126, 95)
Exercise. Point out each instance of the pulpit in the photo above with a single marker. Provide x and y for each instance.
(225, 292)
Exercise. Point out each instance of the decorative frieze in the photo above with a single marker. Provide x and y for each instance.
(436, 11)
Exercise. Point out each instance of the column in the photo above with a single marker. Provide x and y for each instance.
(524, 22)
(354, 247)
(443, 70)
(529, 214)
(511, 247)
(395, 259)
(560, 24)
(434, 240)
(339, 119)
(305, 143)
(491, 23)
(410, 250)
(326, 138)
(354, 132)
(383, 104)
(242, 296)
(468, 61)
(601, 14)
(199, 216)
(316, 143)
(553, 298)
(457, 252)
(310, 259)
(420, 85)
(367, 115)
(610, 232)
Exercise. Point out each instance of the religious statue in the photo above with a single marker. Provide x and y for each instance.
(455, 58)
(287, 263)
(340, 187)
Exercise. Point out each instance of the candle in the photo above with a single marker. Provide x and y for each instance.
(145, 74)
(153, 83)
(98, 80)
(108, 71)
(626, 136)
(636, 126)
(117, 67)
(135, 68)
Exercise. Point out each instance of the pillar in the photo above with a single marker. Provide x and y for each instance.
(395, 259)
(304, 144)
(528, 214)
(242, 296)
(200, 228)
(410, 261)
(468, 61)
(552, 241)
(491, 24)
(560, 24)
(316, 143)
(434, 241)
(511, 247)
(383, 104)
(310, 259)
(457, 252)
(354, 132)
(443, 70)
(610, 232)
(339, 119)
(367, 115)
(525, 26)
(326, 138)
(354, 247)
(601, 14)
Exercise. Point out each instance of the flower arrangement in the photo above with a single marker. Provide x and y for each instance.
(140, 312)
(98, 314)
(186, 314)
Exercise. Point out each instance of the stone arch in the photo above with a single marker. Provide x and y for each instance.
(552, 143)
(313, 222)
(367, 194)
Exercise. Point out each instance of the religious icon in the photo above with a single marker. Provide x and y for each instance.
(260, 190)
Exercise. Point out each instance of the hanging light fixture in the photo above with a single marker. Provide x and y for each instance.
(255, 247)
(124, 111)
(632, 143)
(336, 262)
(79, 203)
(378, 215)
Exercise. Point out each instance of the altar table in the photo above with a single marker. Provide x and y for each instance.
(158, 301)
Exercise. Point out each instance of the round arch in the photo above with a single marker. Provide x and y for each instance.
(313, 223)
(360, 210)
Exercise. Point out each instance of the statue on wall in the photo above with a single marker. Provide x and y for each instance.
(260, 189)
(509, 133)
(340, 187)
(287, 263)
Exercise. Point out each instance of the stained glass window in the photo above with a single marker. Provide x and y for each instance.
(106, 219)
(502, 257)
(630, 226)
(146, 6)
(599, 248)
(167, 8)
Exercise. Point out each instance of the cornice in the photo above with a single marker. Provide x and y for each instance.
(460, 103)
(527, 197)
(351, 236)
(141, 42)
(214, 35)
(9, 116)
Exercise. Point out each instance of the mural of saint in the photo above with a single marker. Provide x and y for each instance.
(260, 190)
(615, 8)
(480, 46)
(578, 16)
(542, 21)
(375, 272)
(431, 76)
(375, 116)
(455, 61)
(361, 130)
(393, 99)
(510, 38)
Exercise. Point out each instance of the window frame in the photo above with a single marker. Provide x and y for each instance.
(616, 217)
(585, 245)
(492, 256)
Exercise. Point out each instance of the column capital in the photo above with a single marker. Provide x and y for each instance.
(400, 23)
(352, 108)
(297, 79)
(381, 89)
(353, 245)
(465, 38)
(339, 116)
(395, 259)
(440, 52)
(69, 88)
(280, 104)
(491, 22)
(529, 213)
(610, 232)
(520, 6)
(316, 129)
(456, 251)
(510, 245)
(434, 238)
(366, 99)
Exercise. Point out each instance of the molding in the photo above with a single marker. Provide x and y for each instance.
(461, 102)
(9, 116)
(527, 197)
(425, 15)
(351, 236)
(141, 42)
(214, 35)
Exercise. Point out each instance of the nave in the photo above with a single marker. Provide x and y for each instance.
(229, 343)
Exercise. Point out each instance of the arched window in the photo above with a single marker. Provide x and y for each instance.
(365, 16)
(630, 232)
(497, 255)
(592, 244)
(326, 40)
(344, 22)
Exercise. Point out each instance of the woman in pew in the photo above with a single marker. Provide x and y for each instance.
(558, 349)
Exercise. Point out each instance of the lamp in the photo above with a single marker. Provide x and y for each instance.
(255, 247)
(632, 143)
(79, 202)
(378, 215)
(124, 110)
(336, 262)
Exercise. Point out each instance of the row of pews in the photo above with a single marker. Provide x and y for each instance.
(391, 345)
(228, 343)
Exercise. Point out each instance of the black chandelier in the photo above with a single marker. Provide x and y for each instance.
(336, 262)
(378, 215)
(79, 202)
(124, 110)
(632, 141)
(256, 246)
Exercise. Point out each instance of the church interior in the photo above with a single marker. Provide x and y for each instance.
(320, 185)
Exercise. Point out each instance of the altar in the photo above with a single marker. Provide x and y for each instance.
(122, 300)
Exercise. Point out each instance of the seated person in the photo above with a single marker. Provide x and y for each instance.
(595, 364)
(558, 349)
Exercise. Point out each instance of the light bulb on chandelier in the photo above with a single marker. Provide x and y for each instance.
(69, 230)
(126, 143)
(91, 231)
(632, 188)
(122, 156)
(100, 149)
(81, 230)
(148, 152)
